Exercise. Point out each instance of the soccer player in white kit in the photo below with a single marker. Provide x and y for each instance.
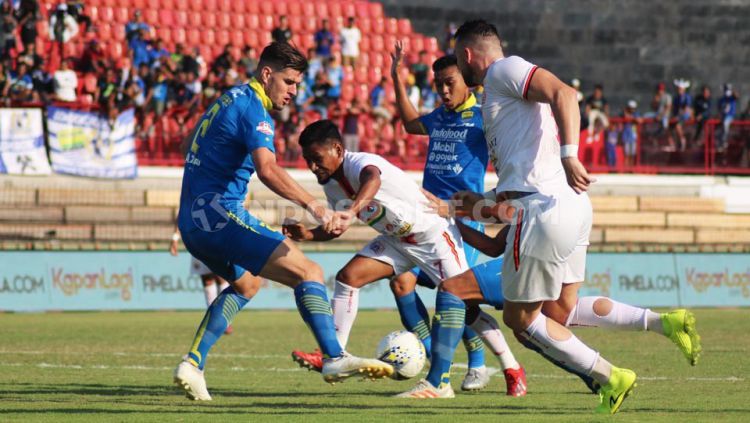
(369, 188)
(528, 113)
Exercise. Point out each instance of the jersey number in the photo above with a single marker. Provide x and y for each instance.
(203, 127)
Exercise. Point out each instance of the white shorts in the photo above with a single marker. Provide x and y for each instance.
(546, 245)
(198, 268)
(439, 253)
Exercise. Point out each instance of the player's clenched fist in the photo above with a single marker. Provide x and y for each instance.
(296, 231)
(340, 222)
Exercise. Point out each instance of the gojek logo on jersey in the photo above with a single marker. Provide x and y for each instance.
(449, 134)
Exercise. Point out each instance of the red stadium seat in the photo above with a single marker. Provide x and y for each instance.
(236, 38)
(90, 3)
(391, 26)
(295, 23)
(153, 4)
(181, 4)
(377, 43)
(238, 7)
(208, 39)
(250, 38)
(106, 14)
(364, 43)
(222, 37)
(347, 94)
(90, 83)
(194, 36)
(360, 74)
(252, 7)
(374, 74)
(335, 10)
(295, 8)
(378, 26)
(404, 27)
(121, 15)
(308, 41)
(416, 43)
(264, 37)
(224, 5)
(137, 4)
(364, 25)
(238, 22)
(223, 20)
(105, 32)
(165, 34)
(388, 42)
(266, 23)
(164, 4)
(93, 12)
(179, 19)
(194, 20)
(118, 33)
(151, 16)
(310, 23)
(363, 9)
(266, 7)
(431, 45)
(321, 10)
(196, 5)
(377, 59)
(348, 9)
(376, 9)
(165, 18)
(115, 50)
(280, 8)
(308, 9)
(252, 22)
(210, 5)
(209, 20)
(178, 36)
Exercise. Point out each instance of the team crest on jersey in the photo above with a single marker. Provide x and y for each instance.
(264, 128)
(468, 114)
(377, 247)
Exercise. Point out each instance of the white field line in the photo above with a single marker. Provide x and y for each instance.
(493, 371)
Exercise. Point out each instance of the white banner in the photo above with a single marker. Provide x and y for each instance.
(85, 144)
(22, 142)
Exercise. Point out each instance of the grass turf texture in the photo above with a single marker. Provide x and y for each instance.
(118, 367)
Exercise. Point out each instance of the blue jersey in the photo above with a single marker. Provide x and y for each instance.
(457, 153)
(219, 163)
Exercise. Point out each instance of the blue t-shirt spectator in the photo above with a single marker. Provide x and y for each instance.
(377, 96)
(728, 105)
(140, 50)
(323, 43)
(335, 77)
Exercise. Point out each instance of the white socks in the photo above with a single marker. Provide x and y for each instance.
(574, 353)
(210, 292)
(344, 303)
(607, 313)
(486, 326)
(223, 285)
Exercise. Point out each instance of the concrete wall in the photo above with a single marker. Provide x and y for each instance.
(628, 45)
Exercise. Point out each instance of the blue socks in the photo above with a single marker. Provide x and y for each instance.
(474, 347)
(313, 305)
(415, 319)
(218, 316)
(447, 330)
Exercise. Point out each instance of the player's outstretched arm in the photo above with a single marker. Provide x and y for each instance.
(490, 246)
(369, 184)
(406, 110)
(278, 180)
(545, 87)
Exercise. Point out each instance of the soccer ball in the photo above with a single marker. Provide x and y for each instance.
(404, 351)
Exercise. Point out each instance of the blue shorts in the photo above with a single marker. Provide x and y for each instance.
(243, 243)
(471, 253)
(490, 281)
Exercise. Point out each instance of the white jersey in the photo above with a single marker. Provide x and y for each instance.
(522, 136)
(398, 208)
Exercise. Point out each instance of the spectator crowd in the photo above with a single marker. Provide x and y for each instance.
(178, 83)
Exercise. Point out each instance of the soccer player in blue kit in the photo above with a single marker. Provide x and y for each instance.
(232, 141)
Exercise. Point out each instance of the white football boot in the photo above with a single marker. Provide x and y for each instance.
(191, 379)
(339, 368)
(425, 390)
(476, 379)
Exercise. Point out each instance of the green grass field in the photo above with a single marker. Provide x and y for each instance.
(118, 367)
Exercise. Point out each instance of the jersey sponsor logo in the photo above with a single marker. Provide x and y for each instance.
(449, 134)
(444, 147)
(264, 128)
(377, 247)
(468, 114)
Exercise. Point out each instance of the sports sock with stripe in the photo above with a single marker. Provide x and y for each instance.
(345, 303)
(487, 327)
(218, 316)
(607, 313)
(474, 347)
(312, 303)
(447, 329)
(415, 319)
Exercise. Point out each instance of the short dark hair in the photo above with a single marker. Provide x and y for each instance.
(281, 56)
(471, 30)
(444, 62)
(320, 132)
